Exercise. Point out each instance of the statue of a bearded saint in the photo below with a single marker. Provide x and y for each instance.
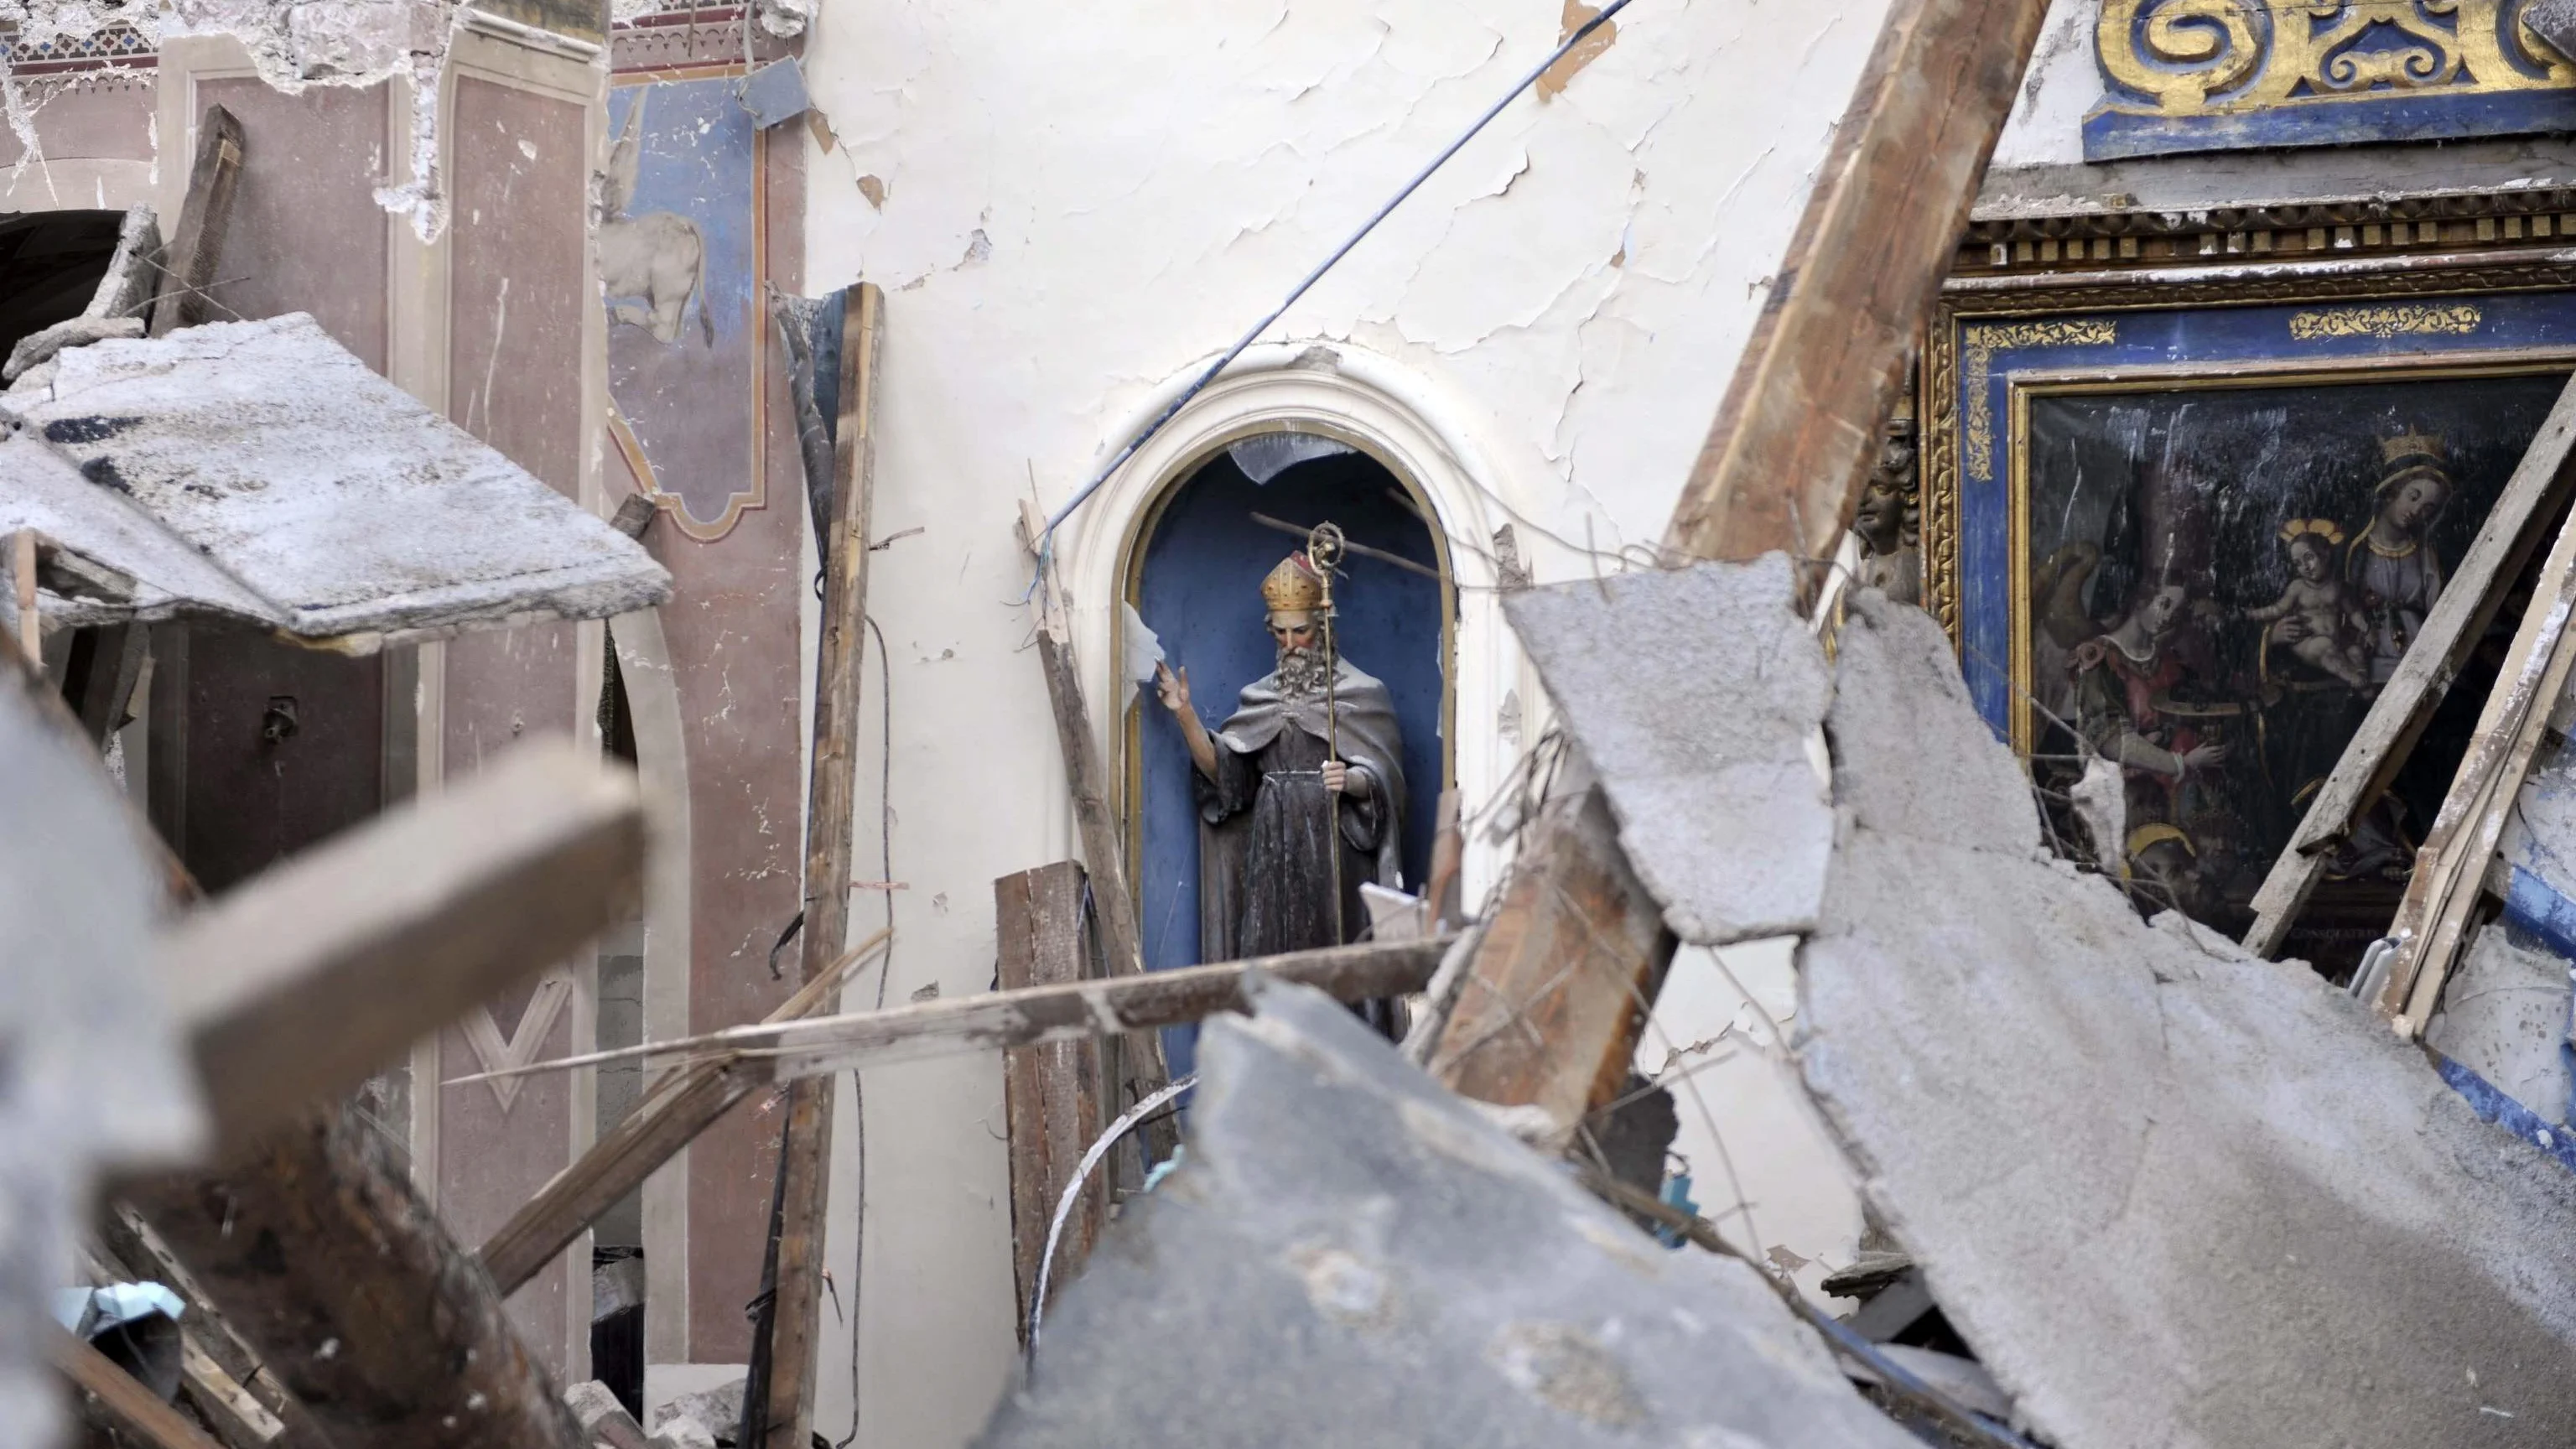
(1272, 795)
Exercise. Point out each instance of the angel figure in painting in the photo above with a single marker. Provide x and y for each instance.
(1300, 792)
(2317, 618)
(2392, 562)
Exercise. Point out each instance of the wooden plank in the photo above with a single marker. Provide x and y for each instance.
(804, 1159)
(301, 983)
(318, 1248)
(670, 1115)
(2450, 868)
(218, 1372)
(1794, 440)
(204, 216)
(1565, 975)
(1074, 1011)
(1050, 1094)
(2540, 487)
(1141, 1070)
(22, 584)
(239, 1418)
(131, 1408)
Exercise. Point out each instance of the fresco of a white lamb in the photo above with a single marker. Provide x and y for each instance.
(659, 257)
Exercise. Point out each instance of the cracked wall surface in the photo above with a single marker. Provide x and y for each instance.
(292, 45)
(1068, 210)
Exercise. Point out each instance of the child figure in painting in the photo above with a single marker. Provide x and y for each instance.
(2316, 618)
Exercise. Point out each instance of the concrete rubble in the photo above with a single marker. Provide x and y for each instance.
(2172, 1194)
(1353, 1256)
(1697, 730)
(317, 498)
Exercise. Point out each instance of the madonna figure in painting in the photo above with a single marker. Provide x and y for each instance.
(2392, 560)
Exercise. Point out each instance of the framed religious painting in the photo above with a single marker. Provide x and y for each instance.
(2191, 529)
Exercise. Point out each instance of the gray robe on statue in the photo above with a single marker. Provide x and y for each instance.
(1265, 858)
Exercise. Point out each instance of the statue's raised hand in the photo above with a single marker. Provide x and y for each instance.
(1172, 689)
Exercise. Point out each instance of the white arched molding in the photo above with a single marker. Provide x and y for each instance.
(662, 770)
(1356, 397)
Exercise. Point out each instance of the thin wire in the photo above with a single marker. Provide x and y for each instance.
(885, 969)
(1046, 539)
(1082, 1174)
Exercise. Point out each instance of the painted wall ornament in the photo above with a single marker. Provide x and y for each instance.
(680, 264)
(2218, 75)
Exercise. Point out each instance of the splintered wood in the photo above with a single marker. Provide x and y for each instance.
(1794, 440)
(1051, 1093)
(306, 979)
(804, 1159)
(1565, 975)
(2450, 869)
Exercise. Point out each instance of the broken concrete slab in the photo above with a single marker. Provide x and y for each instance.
(2172, 1194)
(1352, 1256)
(341, 509)
(1694, 694)
(1898, 702)
(79, 331)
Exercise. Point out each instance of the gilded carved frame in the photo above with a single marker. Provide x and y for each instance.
(1978, 317)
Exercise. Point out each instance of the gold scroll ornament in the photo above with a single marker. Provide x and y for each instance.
(2225, 57)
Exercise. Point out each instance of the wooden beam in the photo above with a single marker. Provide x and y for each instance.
(1141, 1070)
(1566, 973)
(1050, 1094)
(804, 1159)
(131, 1408)
(2540, 487)
(671, 1114)
(1795, 437)
(231, 1389)
(319, 1249)
(1075, 1011)
(2450, 868)
(22, 585)
(204, 216)
(304, 981)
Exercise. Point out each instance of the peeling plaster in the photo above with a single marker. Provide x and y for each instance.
(1572, 288)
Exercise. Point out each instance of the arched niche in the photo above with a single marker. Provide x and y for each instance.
(1194, 576)
(1392, 416)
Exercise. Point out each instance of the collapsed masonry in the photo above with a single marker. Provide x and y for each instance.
(2170, 1193)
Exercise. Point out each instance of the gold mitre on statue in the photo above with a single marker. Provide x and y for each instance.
(1293, 587)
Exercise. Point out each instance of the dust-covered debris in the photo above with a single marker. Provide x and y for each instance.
(329, 503)
(1695, 694)
(2172, 1194)
(1353, 1256)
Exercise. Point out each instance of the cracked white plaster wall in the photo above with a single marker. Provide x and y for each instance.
(2062, 86)
(1573, 291)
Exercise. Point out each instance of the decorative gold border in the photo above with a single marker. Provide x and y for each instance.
(1962, 305)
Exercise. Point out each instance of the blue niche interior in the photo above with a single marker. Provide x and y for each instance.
(1199, 589)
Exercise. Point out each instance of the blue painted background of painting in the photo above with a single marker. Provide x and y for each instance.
(690, 404)
(2206, 338)
(1201, 592)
